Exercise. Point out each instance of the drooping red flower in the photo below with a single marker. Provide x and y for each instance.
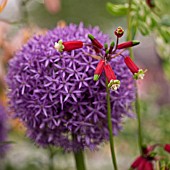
(137, 73)
(114, 84)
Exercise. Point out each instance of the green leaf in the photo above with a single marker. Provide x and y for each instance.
(117, 10)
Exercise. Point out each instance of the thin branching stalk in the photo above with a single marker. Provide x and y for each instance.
(111, 138)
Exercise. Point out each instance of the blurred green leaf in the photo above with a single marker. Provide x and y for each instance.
(117, 10)
(165, 20)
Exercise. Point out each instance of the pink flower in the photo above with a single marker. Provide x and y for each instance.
(53, 6)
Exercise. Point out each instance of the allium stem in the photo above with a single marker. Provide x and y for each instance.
(79, 160)
(111, 138)
(51, 159)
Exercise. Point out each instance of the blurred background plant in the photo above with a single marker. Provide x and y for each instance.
(20, 19)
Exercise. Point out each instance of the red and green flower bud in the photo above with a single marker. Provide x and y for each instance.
(119, 32)
(68, 45)
(137, 73)
(113, 83)
(111, 46)
(128, 44)
(105, 46)
(95, 41)
(151, 3)
(99, 70)
(167, 148)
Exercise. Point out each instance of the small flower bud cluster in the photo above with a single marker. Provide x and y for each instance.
(105, 55)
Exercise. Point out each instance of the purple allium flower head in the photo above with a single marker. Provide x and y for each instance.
(55, 96)
(3, 130)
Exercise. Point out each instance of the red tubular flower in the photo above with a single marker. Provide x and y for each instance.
(114, 84)
(128, 44)
(119, 32)
(68, 46)
(137, 73)
(95, 42)
(99, 69)
(167, 148)
(151, 3)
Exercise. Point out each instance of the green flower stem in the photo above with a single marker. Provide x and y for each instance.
(137, 107)
(79, 160)
(51, 159)
(137, 102)
(110, 127)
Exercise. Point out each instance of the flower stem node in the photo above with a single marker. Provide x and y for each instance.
(59, 46)
(119, 32)
(140, 74)
(114, 84)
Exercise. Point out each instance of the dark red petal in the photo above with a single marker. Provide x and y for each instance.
(137, 162)
(148, 166)
(142, 164)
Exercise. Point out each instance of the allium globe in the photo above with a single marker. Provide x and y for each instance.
(54, 94)
(3, 130)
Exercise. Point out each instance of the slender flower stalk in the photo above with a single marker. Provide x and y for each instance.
(111, 138)
(137, 102)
